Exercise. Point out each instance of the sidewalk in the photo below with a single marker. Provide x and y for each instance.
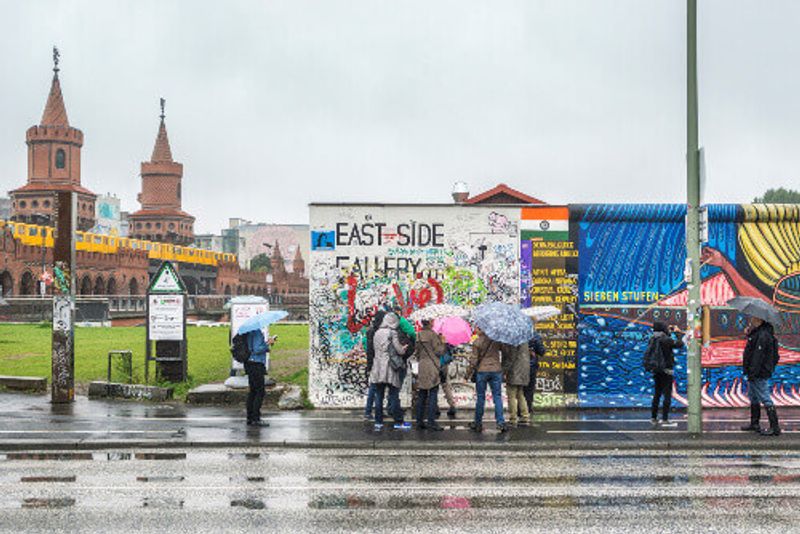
(29, 422)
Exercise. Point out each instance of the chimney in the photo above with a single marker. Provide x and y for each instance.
(460, 192)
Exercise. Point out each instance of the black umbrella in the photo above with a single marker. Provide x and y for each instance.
(755, 307)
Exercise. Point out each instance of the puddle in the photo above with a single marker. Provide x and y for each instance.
(247, 479)
(49, 456)
(35, 502)
(244, 455)
(250, 504)
(160, 455)
(161, 478)
(47, 479)
(340, 501)
(162, 502)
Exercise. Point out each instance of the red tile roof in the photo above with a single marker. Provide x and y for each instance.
(161, 150)
(55, 114)
(503, 190)
(161, 213)
(33, 187)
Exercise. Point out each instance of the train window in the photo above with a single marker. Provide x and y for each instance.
(97, 239)
(79, 237)
(33, 231)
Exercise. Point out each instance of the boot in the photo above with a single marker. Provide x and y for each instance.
(774, 429)
(755, 416)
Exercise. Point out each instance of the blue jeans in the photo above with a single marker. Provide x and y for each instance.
(380, 391)
(495, 381)
(370, 401)
(427, 398)
(758, 392)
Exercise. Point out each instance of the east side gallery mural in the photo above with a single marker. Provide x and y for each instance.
(612, 269)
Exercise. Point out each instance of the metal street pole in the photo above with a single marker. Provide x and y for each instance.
(693, 313)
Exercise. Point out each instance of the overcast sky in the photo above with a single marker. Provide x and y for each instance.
(275, 104)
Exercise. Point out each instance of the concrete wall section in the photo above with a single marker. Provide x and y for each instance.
(367, 257)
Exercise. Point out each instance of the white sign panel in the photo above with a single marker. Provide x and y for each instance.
(239, 314)
(165, 317)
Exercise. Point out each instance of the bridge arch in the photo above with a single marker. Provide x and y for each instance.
(27, 286)
(99, 286)
(7, 283)
(86, 285)
(111, 287)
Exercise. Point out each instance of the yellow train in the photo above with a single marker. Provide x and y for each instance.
(35, 235)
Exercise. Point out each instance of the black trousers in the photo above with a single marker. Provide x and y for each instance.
(663, 388)
(427, 404)
(529, 390)
(255, 379)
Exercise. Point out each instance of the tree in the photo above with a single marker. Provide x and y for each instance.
(261, 264)
(779, 196)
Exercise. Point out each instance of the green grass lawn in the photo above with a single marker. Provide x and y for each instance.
(25, 351)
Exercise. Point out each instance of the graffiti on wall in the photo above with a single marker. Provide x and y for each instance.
(366, 258)
(631, 262)
(549, 276)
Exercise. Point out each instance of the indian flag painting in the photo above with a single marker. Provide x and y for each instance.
(545, 224)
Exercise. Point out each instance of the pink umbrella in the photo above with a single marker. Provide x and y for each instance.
(454, 329)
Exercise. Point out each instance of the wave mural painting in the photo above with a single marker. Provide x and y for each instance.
(631, 260)
(369, 257)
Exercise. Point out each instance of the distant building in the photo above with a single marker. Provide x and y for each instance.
(500, 194)
(209, 242)
(108, 217)
(161, 217)
(5, 208)
(54, 165)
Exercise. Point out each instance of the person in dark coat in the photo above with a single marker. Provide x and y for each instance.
(537, 349)
(256, 368)
(669, 339)
(758, 363)
(369, 348)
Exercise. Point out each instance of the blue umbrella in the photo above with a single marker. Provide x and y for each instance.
(503, 323)
(261, 321)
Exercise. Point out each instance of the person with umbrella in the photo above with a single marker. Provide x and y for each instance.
(256, 364)
(759, 360)
(486, 369)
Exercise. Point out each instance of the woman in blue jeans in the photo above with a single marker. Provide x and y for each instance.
(485, 360)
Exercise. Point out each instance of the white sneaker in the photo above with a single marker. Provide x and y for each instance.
(669, 424)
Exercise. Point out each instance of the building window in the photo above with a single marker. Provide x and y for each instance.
(46, 203)
(147, 225)
(171, 226)
(61, 159)
(23, 204)
(138, 226)
(158, 225)
(179, 191)
(34, 204)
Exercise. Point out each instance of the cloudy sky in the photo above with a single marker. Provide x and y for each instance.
(275, 104)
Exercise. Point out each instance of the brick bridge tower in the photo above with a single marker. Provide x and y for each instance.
(54, 164)
(161, 217)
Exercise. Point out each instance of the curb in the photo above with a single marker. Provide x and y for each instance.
(387, 445)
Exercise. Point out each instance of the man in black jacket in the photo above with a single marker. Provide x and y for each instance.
(758, 363)
(665, 377)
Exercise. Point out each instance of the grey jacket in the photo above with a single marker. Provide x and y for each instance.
(386, 344)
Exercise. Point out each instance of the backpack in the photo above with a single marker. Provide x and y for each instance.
(407, 340)
(239, 348)
(654, 360)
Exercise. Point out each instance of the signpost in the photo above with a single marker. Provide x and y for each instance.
(166, 325)
(63, 340)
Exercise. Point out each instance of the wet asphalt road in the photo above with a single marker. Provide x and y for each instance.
(398, 491)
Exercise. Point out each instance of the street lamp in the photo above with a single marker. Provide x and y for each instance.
(693, 312)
